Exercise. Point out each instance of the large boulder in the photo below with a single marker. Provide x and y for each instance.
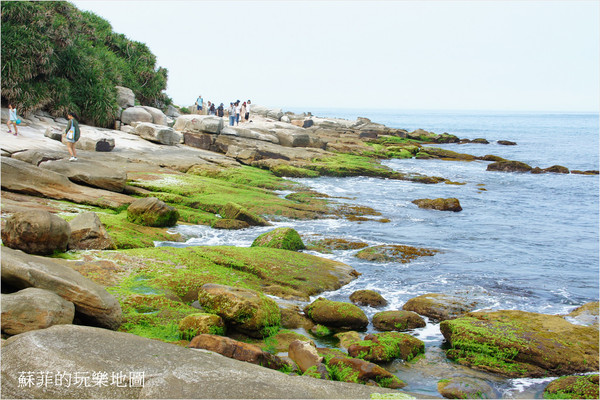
(248, 311)
(509, 166)
(397, 321)
(360, 371)
(21, 177)
(125, 97)
(168, 371)
(466, 388)
(387, 346)
(336, 314)
(88, 233)
(172, 112)
(367, 297)
(280, 238)
(439, 307)
(235, 211)
(36, 232)
(158, 133)
(304, 354)
(150, 211)
(573, 387)
(199, 124)
(31, 308)
(158, 117)
(450, 204)
(135, 114)
(102, 144)
(90, 173)
(93, 304)
(292, 138)
(521, 344)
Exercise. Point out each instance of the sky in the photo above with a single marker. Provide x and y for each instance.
(407, 55)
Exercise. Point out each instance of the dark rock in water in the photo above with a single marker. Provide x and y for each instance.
(589, 172)
(36, 232)
(491, 157)
(336, 314)
(506, 143)
(480, 140)
(538, 170)
(280, 238)
(463, 141)
(509, 166)
(573, 387)
(387, 346)
(390, 253)
(397, 321)
(226, 223)
(368, 298)
(439, 307)
(466, 388)
(448, 154)
(362, 372)
(151, 211)
(521, 344)
(557, 169)
(450, 204)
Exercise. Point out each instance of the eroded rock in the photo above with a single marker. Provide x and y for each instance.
(36, 232)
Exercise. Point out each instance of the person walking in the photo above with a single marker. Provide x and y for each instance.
(12, 119)
(221, 110)
(212, 109)
(247, 116)
(243, 111)
(199, 102)
(231, 112)
(238, 109)
(72, 135)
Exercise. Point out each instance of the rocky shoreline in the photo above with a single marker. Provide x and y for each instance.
(85, 290)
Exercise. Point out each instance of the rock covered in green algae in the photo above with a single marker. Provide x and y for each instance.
(440, 204)
(391, 253)
(387, 346)
(521, 344)
(353, 370)
(573, 387)
(280, 238)
(348, 338)
(509, 166)
(466, 388)
(195, 324)
(150, 211)
(235, 211)
(246, 310)
(233, 224)
(397, 321)
(336, 314)
(438, 306)
(368, 297)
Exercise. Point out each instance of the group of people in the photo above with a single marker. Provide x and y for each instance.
(237, 110)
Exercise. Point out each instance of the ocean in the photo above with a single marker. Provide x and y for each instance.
(528, 241)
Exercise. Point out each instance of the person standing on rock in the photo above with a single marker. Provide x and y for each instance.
(72, 135)
(12, 119)
(231, 112)
(247, 116)
(238, 109)
(199, 102)
(221, 110)
(243, 111)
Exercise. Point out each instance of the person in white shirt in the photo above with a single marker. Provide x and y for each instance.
(238, 109)
(231, 112)
(247, 116)
(12, 119)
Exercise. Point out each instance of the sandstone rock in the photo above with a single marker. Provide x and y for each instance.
(125, 97)
(135, 114)
(573, 387)
(235, 211)
(202, 323)
(439, 307)
(348, 338)
(387, 346)
(286, 119)
(93, 304)
(246, 310)
(304, 354)
(199, 124)
(88, 233)
(368, 298)
(35, 157)
(397, 321)
(158, 134)
(280, 238)
(158, 117)
(234, 224)
(586, 315)
(506, 143)
(21, 177)
(36, 232)
(127, 129)
(521, 344)
(169, 371)
(362, 372)
(53, 134)
(102, 144)
(150, 211)
(450, 204)
(172, 112)
(509, 166)
(394, 253)
(275, 114)
(237, 350)
(336, 314)
(262, 135)
(291, 138)
(90, 173)
(292, 318)
(466, 388)
(200, 140)
(30, 309)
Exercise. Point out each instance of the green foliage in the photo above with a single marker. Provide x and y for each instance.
(58, 58)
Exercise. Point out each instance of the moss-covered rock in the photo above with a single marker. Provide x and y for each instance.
(246, 310)
(321, 331)
(439, 307)
(436, 152)
(557, 169)
(336, 314)
(348, 338)
(521, 344)
(586, 314)
(280, 342)
(280, 238)
(394, 253)
(326, 245)
(466, 388)
(397, 321)
(195, 324)
(359, 371)
(573, 387)
(491, 157)
(366, 297)
(441, 204)
(231, 224)
(318, 371)
(293, 318)
(293, 172)
(508, 166)
(235, 211)
(151, 211)
(387, 346)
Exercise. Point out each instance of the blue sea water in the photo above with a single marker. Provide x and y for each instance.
(528, 242)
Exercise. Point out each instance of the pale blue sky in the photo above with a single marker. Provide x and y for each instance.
(470, 55)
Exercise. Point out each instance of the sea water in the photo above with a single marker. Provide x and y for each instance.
(528, 241)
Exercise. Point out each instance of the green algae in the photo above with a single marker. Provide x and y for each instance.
(280, 238)
(573, 387)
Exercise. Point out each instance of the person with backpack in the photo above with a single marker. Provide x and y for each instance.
(221, 110)
(12, 119)
(71, 135)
